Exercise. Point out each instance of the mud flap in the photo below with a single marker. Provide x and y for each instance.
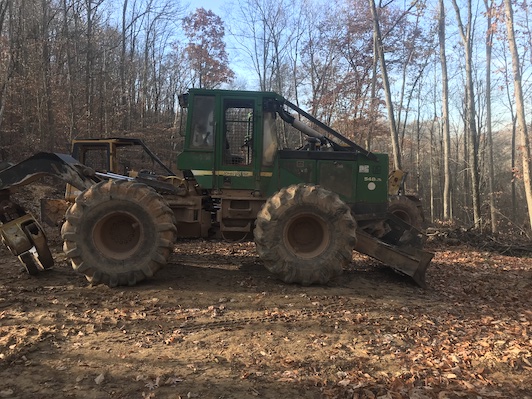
(406, 260)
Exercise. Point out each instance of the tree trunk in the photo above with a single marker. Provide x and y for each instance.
(374, 101)
(514, 169)
(431, 171)
(445, 117)
(49, 128)
(70, 78)
(89, 62)
(122, 69)
(470, 114)
(465, 193)
(386, 84)
(520, 109)
(491, 171)
(6, 16)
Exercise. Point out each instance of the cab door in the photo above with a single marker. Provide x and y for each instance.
(198, 155)
(237, 157)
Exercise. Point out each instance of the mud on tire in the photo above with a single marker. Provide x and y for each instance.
(118, 233)
(305, 234)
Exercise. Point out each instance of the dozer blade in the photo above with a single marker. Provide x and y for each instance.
(406, 260)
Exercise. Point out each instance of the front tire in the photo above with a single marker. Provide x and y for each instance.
(118, 233)
(305, 234)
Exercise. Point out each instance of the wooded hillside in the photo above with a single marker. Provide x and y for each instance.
(431, 82)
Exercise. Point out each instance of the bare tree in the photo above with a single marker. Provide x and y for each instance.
(264, 35)
(413, 57)
(489, 133)
(71, 75)
(445, 114)
(48, 130)
(321, 60)
(386, 84)
(130, 18)
(7, 62)
(466, 34)
(520, 109)
(91, 26)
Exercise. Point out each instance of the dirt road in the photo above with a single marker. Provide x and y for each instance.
(215, 324)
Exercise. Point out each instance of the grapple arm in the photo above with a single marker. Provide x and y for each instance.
(62, 166)
(19, 230)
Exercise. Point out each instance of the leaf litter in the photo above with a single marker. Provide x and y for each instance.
(215, 324)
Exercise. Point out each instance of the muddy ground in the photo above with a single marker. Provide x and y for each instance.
(215, 324)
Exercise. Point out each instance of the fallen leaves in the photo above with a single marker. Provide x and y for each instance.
(216, 328)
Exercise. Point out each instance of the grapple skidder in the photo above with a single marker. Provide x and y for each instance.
(249, 167)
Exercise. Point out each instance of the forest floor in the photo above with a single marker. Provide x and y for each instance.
(215, 324)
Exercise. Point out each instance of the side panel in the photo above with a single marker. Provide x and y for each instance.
(201, 165)
(338, 177)
(294, 171)
(360, 182)
(372, 185)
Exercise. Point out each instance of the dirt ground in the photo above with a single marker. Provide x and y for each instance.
(215, 324)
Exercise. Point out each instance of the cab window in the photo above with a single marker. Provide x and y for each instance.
(203, 123)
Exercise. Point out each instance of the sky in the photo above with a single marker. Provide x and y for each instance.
(213, 5)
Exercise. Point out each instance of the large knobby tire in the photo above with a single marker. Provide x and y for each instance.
(118, 233)
(407, 210)
(305, 234)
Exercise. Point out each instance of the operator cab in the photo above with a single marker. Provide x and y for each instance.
(231, 140)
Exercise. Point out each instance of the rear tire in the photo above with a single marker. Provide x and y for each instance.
(305, 234)
(407, 210)
(118, 233)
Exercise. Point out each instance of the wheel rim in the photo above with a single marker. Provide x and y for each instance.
(306, 235)
(117, 235)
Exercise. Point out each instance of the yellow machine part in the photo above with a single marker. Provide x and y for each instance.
(13, 235)
(395, 181)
